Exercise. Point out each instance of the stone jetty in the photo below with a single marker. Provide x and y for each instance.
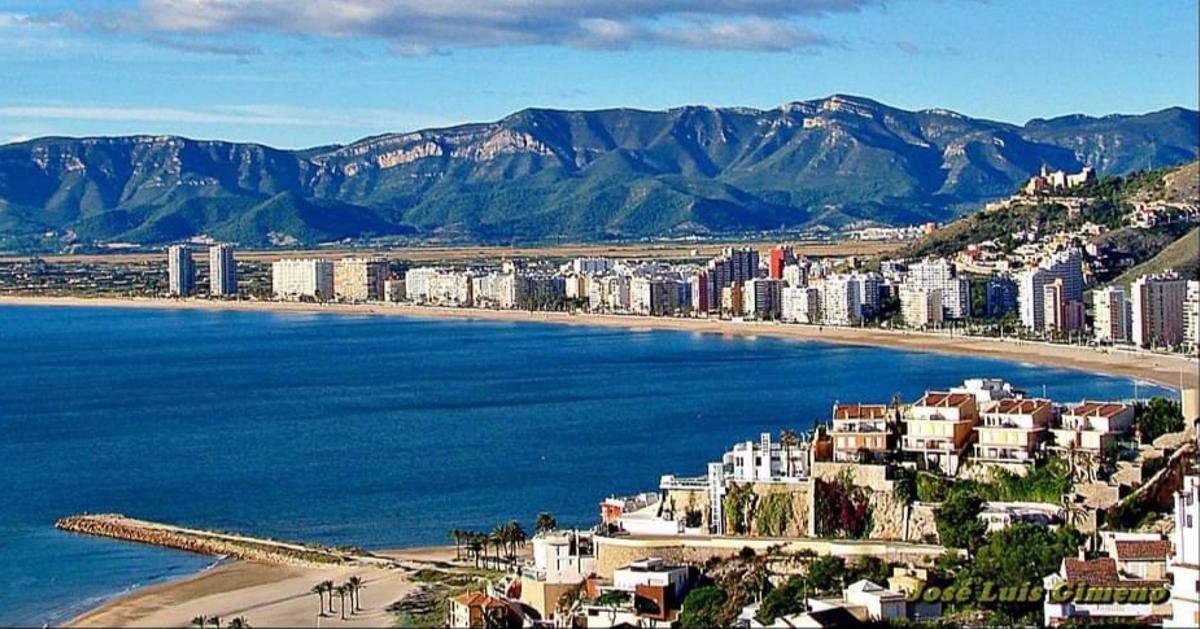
(117, 526)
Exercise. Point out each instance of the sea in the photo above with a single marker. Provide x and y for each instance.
(383, 432)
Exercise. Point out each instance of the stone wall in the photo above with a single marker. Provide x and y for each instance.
(799, 495)
(874, 477)
(615, 552)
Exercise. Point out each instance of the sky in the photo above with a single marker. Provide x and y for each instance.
(300, 73)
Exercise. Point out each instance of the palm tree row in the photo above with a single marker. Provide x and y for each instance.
(505, 539)
(203, 621)
(349, 588)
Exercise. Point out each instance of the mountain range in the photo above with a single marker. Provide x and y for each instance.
(543, 174)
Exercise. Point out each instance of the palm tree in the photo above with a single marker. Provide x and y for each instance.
(516, 535)
(355, 584)
(239, 623)
(329, 588)
(341, 592)
(475, 545)
(457, 535)
(216, 621)
(498, 538)
(319, 590)
(200, 621)
(544, 523)
(788, 440)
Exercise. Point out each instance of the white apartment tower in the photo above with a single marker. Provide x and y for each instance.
(1031, 286)
(1191, 316)
(940, 274)
(302, 279)
(222, 271)
(1158, 309)
(840, 303)
(1111, 324)
(181, 271)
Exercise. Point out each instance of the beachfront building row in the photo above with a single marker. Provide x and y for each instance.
(1161, 310)
(319, 279)
(222, 271)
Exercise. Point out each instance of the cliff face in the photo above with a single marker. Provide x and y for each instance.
(542, 174)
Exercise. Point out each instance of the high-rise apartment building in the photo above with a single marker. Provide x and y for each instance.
(733, 266)
(360, 279)
(222, 271)
(1157, 305)
(181, 271)
(1191, 316)
(1111, 310)
(1031, 286)
(939, 274)
(302, 279)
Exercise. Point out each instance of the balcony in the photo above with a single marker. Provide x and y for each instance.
(683, 482)
(840, 426)
(927, 444)
(1002, 454)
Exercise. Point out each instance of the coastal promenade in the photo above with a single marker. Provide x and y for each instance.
(1173, 371)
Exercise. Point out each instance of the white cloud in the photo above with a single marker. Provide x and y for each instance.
(251, 114)
(425, 26)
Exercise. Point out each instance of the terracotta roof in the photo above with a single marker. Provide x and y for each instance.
(1099, 409)
(479, 599)
(1143, 549)
(1101, 572)
(934, 398)
(1018, 407)
(859, 411)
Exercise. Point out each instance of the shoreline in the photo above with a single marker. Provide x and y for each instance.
(266, 594)
(1170, 371)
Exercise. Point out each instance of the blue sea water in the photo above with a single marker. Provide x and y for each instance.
(380, 431)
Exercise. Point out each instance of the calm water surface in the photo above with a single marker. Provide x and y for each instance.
(380, 432)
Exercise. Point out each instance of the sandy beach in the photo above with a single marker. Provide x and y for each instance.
(265, 595)
(1166, 370)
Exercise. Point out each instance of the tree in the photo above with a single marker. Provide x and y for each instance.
(756, 582)
(329, 590)
(1019, 555)
(826, 573)
(341, 591)
(319, 590)
(475, 545)
(1161, 416)
(786, 600)
(544, 523)
(702, 608)
(356, 584)
(239, 623)
(958, 523)
(457, 536)
(200, 621)
(788, 440)
(515, 535)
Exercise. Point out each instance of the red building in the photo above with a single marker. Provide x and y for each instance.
(779, 257)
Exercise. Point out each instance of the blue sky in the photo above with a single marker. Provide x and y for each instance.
(295, 73)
